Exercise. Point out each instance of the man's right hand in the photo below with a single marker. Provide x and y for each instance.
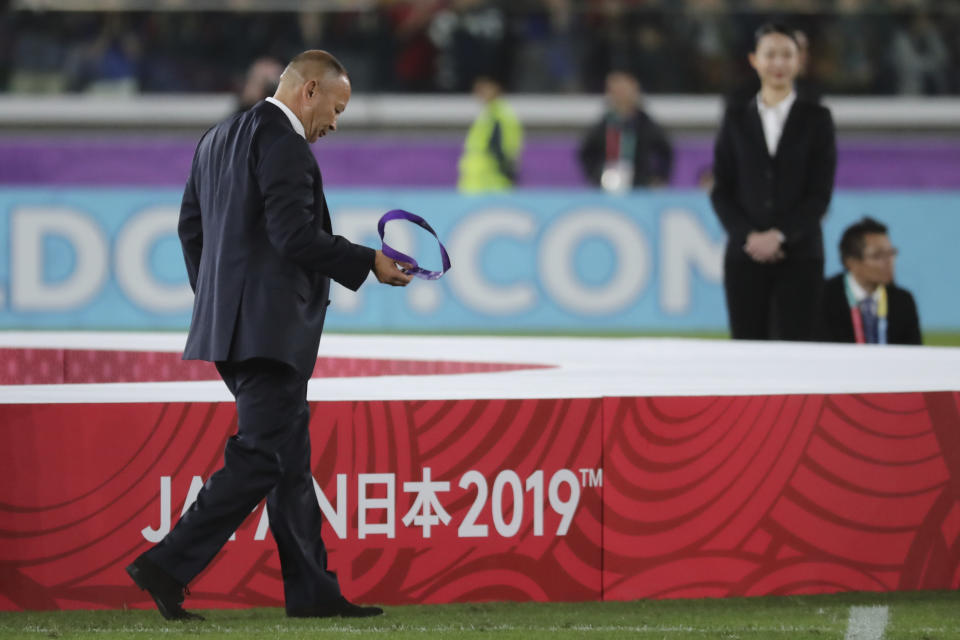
(387, 272)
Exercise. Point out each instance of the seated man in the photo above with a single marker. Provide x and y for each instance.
(863, 305)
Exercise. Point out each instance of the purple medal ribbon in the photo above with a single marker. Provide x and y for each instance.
(393, 254)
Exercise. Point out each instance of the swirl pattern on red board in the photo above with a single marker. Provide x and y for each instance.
(785, 494)
(98, 493)
(666, 497)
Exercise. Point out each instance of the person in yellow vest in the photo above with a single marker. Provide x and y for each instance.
(491, 151)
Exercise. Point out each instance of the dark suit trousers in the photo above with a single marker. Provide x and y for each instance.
(268, 457)
(778, 301)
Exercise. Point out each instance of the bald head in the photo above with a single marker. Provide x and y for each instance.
(316, 87)
(313, 64)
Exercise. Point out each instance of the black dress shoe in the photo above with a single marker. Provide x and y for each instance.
(339, 607)
(165, 591)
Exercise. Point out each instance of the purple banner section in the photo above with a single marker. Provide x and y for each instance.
(891, 163)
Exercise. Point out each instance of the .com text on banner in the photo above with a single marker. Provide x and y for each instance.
(550, 260)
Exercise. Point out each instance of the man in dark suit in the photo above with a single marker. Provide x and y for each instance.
(625, 149)
(774, 165)
(863, 304)
(260, 255)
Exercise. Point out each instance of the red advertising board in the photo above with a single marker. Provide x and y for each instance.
(468, 500)
(425, 501)
(743, 496)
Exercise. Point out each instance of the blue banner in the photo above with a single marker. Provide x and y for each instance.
(531, 260)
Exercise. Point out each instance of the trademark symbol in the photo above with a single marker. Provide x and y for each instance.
(591, 477)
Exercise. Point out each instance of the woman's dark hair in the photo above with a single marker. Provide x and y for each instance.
(773, 27)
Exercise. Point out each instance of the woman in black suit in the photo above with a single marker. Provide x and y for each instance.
(774, 165)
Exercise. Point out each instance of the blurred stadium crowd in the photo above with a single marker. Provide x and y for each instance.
(874, 47)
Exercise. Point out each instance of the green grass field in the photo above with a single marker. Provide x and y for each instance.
(930, 615)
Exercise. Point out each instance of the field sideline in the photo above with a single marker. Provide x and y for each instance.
(928, 615)
(930, 338)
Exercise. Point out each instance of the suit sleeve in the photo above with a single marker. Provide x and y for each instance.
(663, 153)
(190, 228)
(285, 174)
(821, 171)
(725, 181)
(912, 333)
(833, 313)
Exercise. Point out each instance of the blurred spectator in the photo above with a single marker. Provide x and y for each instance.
(859, 46)
(492, 148)
(410, 62)
(262, 80)
(160, 71)
(951, 29)
(470, 37)
(609, 40)
(356, 37)
(863, 304)
(626, 148)
(108, 62)
(6, 44)
(656, 63)
(547, 61)
(849, 46)
(919, 57)
(37, 56)
(713, 33)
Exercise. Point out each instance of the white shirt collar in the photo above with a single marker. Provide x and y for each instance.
(773, 118)
(782, 108)
(859, 293)
(294, 120)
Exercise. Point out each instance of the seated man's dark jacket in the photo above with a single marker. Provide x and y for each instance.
(258, 243)
(836, 325)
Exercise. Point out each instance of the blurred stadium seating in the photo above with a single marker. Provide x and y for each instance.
(863, 47)
(113, 94)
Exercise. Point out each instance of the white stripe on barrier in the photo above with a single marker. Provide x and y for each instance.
(582, 368)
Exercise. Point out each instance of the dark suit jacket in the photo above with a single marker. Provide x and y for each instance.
(807, 89)
(903, 324)
(258, 243)
(790, 191)
(653, 155)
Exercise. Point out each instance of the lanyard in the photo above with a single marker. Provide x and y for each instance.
(621, 140)
(393, 254)
(857, 318)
